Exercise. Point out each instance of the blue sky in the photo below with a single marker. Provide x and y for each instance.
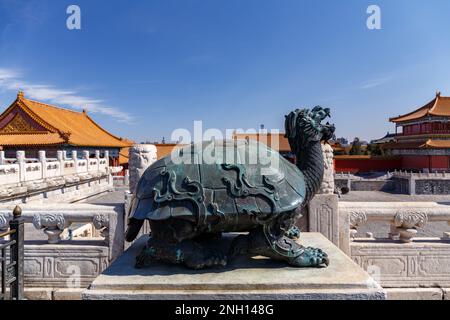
(145, 68)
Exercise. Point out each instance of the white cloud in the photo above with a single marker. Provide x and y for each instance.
(375, 83)
(11, 80)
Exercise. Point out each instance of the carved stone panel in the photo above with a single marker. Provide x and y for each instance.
(327, 186)
(54, 265)
(432, 187)
(424, 263)
(324, 216)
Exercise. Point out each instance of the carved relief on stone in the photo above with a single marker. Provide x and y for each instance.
(141, 157)
(327, 186)
(406, 223)
(8, 170)
(53, 225)
(101, 222)
(357, 218)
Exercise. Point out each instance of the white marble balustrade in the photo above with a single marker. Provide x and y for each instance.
(21, 169)
(401, 258)
(51, 264)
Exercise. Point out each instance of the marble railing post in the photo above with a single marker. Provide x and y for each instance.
(20, 156)
(43, 161)
(106, 157)
(141, 157)
(75, 160)
(60, 155)
(323, 210)
(2, 157)
(86, 157)
(97, 156)
(412, 185)
(126, 181)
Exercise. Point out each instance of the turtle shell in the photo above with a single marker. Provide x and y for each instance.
(218, 178)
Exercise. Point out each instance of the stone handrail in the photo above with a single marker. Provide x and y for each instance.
(422, 175)
(404, 217)
(402, 259)
(350, 176)
(54, 219)
(19, 170)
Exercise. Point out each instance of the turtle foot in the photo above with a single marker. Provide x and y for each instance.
(293, 233)
(310, 257)
(239, 246)
(205, 258)
(145, 258)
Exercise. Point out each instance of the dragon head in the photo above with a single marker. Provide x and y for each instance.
(305, 126)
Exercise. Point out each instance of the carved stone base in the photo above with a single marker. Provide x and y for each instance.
(243, 278)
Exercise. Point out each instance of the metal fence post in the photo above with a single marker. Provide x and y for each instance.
(17, 253)
(4, 264)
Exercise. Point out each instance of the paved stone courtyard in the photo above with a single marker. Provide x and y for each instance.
(109, 199)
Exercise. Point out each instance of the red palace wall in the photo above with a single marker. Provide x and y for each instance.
(440, 162)
(428, 162)
(357, 164)
(415, 162)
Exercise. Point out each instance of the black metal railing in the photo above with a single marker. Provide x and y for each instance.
(12, 268)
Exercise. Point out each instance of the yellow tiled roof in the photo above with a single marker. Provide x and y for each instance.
(44, 139)
(437, 144)
(440, 106)
(276, 141)
(124, 156)
(63, 125)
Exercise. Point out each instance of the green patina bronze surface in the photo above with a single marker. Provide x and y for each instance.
(202, 190)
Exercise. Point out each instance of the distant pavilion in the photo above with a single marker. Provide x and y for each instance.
(32, 126)
(424, 138)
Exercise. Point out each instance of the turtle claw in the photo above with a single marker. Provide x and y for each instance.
(293, 233)
(311, 257)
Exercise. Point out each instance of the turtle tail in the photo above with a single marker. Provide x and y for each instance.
(134, 226)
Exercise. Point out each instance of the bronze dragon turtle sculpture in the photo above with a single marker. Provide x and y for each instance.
(203, 190)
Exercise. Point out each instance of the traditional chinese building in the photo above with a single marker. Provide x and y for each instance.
(423, 136)
(276, 141)
(32, 126)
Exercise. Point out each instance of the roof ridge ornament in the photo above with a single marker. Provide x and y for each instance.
(20, 95)
(438, 94)
(65, 135)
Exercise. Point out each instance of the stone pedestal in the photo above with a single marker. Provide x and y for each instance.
(243, 278)
(323, 213)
